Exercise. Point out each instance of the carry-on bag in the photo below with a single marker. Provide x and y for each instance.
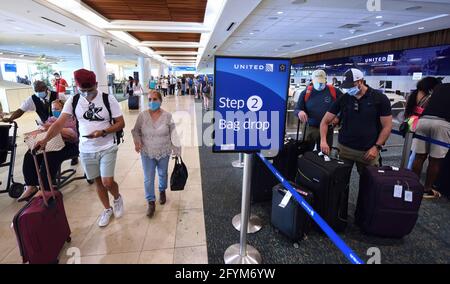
(179, 175)
(41, 226)
(388, 202)
(328, 178)
(292, 220)
(133, 102)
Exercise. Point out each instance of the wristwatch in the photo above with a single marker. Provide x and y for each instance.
(379, 147)
(104, 133)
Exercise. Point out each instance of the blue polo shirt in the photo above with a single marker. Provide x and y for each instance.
(318, 104)
(360, 119)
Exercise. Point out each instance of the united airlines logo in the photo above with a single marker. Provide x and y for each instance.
(253, 67)
(388, 58)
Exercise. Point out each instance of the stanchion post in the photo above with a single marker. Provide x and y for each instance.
(406, 149)
(239, 163)
(243, 253)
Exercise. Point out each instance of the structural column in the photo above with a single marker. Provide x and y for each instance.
(93, 52)
(144, 72)
(1, 73)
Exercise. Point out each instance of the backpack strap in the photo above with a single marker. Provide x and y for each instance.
(308, 93)
(75, 100)
(332, 91)
(108, 106)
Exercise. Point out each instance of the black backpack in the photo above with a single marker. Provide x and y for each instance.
(119, 134)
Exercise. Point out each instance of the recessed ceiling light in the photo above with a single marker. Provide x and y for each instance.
(421, 28)
(22, 55)
(280, 12)
(389, 34)
(252, 33)
(379, 17)
(320, 35)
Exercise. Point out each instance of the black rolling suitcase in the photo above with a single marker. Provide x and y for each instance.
(262, 181)
(292, 220)
(133, 102)
(286, 160)
(328, 179)
(443, 180)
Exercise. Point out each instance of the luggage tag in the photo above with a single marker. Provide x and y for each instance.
(408, 196)
(398, 191)
(285, 199)
(395, 169)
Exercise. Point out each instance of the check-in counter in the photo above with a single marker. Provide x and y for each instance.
(12, 95)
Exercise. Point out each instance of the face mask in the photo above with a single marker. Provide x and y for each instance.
(41, 94)
(56, 113)
(154, 105)
(319, 86)
(87, 95)
(353, 91)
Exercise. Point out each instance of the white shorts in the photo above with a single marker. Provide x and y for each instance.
(435, 128)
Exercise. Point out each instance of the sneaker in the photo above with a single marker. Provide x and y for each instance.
(118, 207)
(105, 217)
(74, 162)
(431, 194)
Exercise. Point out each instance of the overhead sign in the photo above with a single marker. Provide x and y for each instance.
(250, 101)
(183, 68)
(11, 68)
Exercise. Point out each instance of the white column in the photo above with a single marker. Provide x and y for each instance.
(161, 69)
(93, 52)
(1, 73)
(144, 72)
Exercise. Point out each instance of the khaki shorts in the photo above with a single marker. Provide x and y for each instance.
(435, 128)
(356, 156)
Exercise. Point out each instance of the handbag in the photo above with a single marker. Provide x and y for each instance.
(179, 175)
(54, 145)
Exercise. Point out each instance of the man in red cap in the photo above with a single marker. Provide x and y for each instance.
(99, 119)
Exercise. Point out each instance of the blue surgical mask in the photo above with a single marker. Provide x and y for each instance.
(41, 94)
(353, 91)
(86, 95)
(56, 113)
(319, 86)
(154, 105)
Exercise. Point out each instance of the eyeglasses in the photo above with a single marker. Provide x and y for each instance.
(356, 106)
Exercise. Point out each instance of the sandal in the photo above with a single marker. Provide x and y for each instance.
(432, 194)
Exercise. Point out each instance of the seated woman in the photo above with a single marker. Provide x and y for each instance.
(70, 137)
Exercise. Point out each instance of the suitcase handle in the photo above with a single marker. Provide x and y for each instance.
(304, 130)
(49, 178)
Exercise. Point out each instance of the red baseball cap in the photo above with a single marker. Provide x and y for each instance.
(84, 78)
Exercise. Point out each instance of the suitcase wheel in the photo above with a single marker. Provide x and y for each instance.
(69, 239)
(296, 245)
(90, 181)
(16, 190)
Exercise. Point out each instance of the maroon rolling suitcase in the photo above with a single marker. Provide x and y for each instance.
(388, 202)
(41, 226)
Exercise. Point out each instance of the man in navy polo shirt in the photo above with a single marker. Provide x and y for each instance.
(366, 121)
(314, 102)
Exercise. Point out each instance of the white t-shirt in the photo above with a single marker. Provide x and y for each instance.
(94, 116)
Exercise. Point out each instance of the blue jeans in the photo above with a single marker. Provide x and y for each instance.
(150, 165)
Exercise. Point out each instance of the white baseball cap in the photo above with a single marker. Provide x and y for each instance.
(350, 76)
(319, 76)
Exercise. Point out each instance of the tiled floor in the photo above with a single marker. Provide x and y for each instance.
(176, 234)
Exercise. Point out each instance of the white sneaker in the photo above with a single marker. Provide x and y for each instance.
(105, 217)
(118, 207)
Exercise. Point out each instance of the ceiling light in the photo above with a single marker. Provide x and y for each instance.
(320, 35)
(389, 34)
(420, 28)
(280, 12)
(398, 26)
(252, 33)
(379, 17)
(22, 55)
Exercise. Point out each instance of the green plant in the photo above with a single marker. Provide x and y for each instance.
(44, 69)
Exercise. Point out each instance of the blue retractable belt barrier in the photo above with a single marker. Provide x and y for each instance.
(426, 139)
(351, 256)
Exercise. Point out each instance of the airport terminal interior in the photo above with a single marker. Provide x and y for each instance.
(164, 43)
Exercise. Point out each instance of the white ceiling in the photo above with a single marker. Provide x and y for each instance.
(280, 28)
(24, 31)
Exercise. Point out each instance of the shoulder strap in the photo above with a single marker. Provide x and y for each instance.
(107, 105)
(332, 91)
(308, 93)
(75, 100)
